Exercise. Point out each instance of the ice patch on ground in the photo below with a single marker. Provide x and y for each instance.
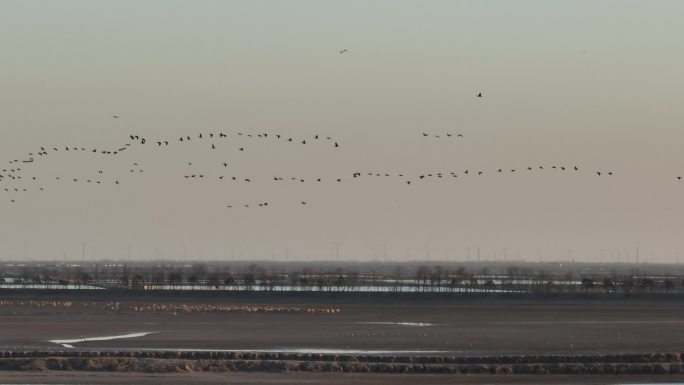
(68, 343)
(314, 351)
(415, 324)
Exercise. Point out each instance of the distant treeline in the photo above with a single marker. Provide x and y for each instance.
(409, 278)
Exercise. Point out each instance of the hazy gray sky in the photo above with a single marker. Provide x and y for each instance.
(596, 84)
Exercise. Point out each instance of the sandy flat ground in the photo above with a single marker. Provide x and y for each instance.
(455, 325)
(488, 326)
(316, 378)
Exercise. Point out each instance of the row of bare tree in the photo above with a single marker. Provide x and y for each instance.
(423, 278)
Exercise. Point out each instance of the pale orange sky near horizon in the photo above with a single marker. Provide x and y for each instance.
(593, 84)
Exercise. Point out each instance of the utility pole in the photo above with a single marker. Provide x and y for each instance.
(637, 255)
(83, 253)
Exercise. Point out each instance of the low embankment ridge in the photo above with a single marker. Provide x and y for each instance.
(211, 361)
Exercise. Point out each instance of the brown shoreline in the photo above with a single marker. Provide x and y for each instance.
(334, 296)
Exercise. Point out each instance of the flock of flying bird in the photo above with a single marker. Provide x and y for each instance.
(13, 179)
